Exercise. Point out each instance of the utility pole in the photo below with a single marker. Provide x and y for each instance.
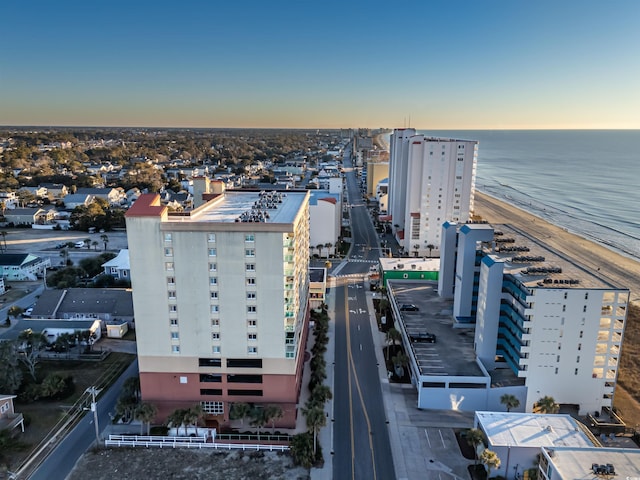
(94, 408)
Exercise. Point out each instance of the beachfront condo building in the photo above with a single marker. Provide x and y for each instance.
(220, 296)
(432, 180)
(549, 322)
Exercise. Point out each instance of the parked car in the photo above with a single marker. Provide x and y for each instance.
(27, 312)
(408, 307)
(79, 244)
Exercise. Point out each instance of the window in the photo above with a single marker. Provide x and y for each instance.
(168, 237)
(578, 359)
(250, 237)
(175, 348)
(210, 391)
(168, 266)
(209, 362)
(216, 349)
(251, 281)
(575, 372)
(251, 309)
(171, 293)
(4, 407)
(210, 378)
(211, 237)
(171, 280)
(215, 322)
(174, 335)
(244, 378)
(245, 393)
(250, 252)
(579, 346)
(581, 333)
(213, 267)
(251, 267)
(168, 252)
(174, 321)
(173, 308)
(586, 296)
(564, 308)
(215, 336)
(584, 309)
(252, 336)
(213, 408)
(213, 252)
(252, 323)
(214, 295)
(244, 363)
(252, 350)
(213, 280)
(215, 308)
(251, 295)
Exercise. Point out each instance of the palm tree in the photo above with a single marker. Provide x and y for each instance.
(509, 401)
(392, 337)
(94, 244)
(546, 404)
(415, 250)
(320, 395)
(105, 240)
(474, 438)
(399, 362)
(319, 247)
(176, 418)
(316, 418)
(490, 460)
(430, 247)
(87, 243)
(239, 411)
(328, 245)
(271, 414)
(192, 417)
(145, 413)
(258, 419)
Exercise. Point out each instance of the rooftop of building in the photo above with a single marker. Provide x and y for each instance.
(317, 195)
(243, 206)
(120, 261)
(117, 302)
(317, 274)
(410, 263)
(574, 463)
(513, 429)
(39, 326)
(537, 265)
(452, 353)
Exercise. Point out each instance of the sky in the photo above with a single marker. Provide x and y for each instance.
(445, 64)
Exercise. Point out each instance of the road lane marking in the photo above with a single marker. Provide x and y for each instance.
(426, 434)
(353, 454)
(441, 438)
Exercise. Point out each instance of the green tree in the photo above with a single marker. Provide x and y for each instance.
(392, 336)
(192, 417)
(315, 418)
(95, 244)
(474, 437)
(176, 419)
(10, 372)
(320, 395)
(105, 240)
(131, 388)
(302, 449)
(546, 404)
(30, 344)
(258, 418)
(54, 385)
(15, 311)
(239, 411)
(400, 361)
(430, 247)
(271, 414)
(490, 460)
(509, 401)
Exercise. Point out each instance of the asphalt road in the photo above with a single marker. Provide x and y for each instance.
(61, 461)
(361, 442)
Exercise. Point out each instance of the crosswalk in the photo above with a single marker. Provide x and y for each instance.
(357, 260)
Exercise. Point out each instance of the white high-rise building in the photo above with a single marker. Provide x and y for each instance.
(432, 181)
(220, 297)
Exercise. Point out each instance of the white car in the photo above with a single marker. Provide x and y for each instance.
(79, 244)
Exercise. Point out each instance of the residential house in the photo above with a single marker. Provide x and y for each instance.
(22, 266)
(111, 195)
(29, 216)
(55, 191)
(74, 200)
(10, 199)
(52, 328)
(9, 419)
(118, 267)
(38, 192)
(107, 304)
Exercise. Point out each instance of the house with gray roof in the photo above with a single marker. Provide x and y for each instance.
(74, 200)
(22, 266)
(111, 305)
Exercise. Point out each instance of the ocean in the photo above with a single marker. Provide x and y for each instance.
(586, 181)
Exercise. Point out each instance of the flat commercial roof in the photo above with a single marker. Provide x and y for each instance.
(576, 463)
(532, 430)
(537, 265)
(418, 264)
(276, 207)
(452, 353)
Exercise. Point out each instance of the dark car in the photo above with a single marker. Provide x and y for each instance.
(408, 307)
(423, 337)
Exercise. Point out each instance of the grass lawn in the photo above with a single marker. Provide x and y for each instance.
(42, 415)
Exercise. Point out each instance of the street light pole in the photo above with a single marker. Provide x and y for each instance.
(94, 408)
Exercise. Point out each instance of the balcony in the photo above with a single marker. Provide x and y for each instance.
(11, 420)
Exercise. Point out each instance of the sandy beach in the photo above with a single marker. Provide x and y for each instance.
(620, 271)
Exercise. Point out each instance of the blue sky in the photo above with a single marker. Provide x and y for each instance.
(323, 64)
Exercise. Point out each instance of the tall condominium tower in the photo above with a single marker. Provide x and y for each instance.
(220, 297)
(432, 181)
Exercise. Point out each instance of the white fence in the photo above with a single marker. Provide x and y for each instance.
(183, 442)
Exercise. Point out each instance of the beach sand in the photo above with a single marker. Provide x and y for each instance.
(619, 270)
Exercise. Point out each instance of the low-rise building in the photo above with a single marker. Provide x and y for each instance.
(9, 419)
(22, 266)
(118, 267)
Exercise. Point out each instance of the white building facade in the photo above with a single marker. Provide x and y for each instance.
(434, 182)
(221, 300)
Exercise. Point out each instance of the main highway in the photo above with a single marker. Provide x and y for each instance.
(360, 438)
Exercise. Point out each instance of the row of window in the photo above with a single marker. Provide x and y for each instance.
(211, 237)
(231, 391)
(252, 350)
(215, 322)
(231, 378)
(213, 309)
(231, 362)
